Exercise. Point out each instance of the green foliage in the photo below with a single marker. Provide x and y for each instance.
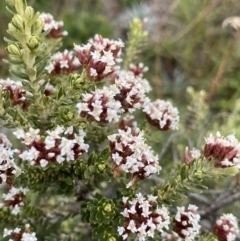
(137, 37)
(99, 210)
(84, 198)
(190, 179)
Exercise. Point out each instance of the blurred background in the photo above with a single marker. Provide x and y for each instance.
(187, 45)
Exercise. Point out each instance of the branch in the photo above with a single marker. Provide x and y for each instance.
(217, 205)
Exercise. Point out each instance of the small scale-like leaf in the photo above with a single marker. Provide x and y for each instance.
(92, 158)
(184, 172)
(13, 61)
(87, 174)
(9, 40)
(105, 154)
(68, 180)
(42, 87)
(27, 86)
(106, 177)
(60, 93)
(41, 67)
(19, 75)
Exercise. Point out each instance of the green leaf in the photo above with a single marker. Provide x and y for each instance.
(41, 67)
(92, 168)
(13, 61)
(87, 174)
(105, 154)
(19, 75)
(9, 40)
(27, 86)
(106, 177)
(184, 172)
(30, 71)
(92, 158)
(68, 180)
(60, 93)
(42, 87)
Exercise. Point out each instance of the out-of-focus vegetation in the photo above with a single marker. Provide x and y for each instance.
(187, 47)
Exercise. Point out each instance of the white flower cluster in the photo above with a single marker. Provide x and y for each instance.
(190, 156)
(131, 154)
(99, 57)
(161, 114)
(139, 69)
(226, 227)
(186, 222)
(59, 145)
(226, 150)
(8, 82)
(229, 140)
(195, 153)
(14, 199)
(17, 94)
(52, 25)
(63, 62)
(132, 90)
(7, 165)
(100, 105)
(16, 233)
(143, 217)
(107, 46)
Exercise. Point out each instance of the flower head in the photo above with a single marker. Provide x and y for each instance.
(223, 150)
(161, 114)
(143, 217)
(16, 93)
(186, 222)
(52, 25)
(226, 227)
(132, 90)
(99, 57)
(63, 62)
(58, 145)
(14, 199)
(8, 167)
(18, 235)
(190, 156)
(132, 155)
(100, 105)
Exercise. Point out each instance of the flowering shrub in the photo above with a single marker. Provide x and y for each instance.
(79, 160)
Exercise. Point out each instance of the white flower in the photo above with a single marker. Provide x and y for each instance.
(19, 133)
(132, 226)
(120, 230)
(43, 162)
(29, 237)
(7, 232)
(163, 112)
(195, 153)
(15, 210)
(93, 72)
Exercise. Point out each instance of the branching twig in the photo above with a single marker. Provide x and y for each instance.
(168, 142)
(219, 204)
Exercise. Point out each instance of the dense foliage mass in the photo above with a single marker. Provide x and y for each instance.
(87, 151)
